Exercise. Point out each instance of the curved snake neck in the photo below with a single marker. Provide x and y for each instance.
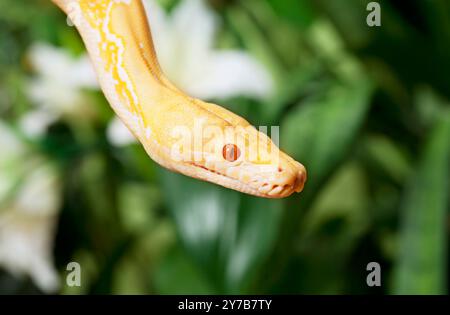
(119, 42)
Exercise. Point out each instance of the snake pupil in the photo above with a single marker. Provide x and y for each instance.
(231, 152)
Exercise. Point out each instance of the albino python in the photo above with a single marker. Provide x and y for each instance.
(181, 133)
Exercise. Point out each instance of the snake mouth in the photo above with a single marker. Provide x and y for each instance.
(255, 187)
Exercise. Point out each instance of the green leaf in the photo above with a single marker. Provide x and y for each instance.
(255, 41)
(149, 265)
(422, 252)
(299, 12)
(319, 132)
(319, 135)
(299, 84)
(225, 232)
(178, 274)
(387, 157)
(429, 105)
(330, 231)
(137, 206)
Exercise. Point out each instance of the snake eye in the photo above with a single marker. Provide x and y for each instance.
(231, 152)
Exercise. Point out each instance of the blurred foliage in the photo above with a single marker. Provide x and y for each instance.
(364, 109)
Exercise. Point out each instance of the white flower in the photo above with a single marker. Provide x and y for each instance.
(28, 216)
(35, 123)
(57, 86)
(118, 134)
(184, 42)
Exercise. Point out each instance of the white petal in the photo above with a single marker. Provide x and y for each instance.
(35, 123)
(39, 195)
(9, 140)
(158, 21)
(195, 24)
(49, 61)
(57, 65)
(118, 134)
(164, 38)
(55, 97)
(60, 79)
(26, 248)
(83, 74)
(185, 51)
(27, 224)
(184, 39)
(231, 73)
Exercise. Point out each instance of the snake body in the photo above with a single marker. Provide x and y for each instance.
(181, 133)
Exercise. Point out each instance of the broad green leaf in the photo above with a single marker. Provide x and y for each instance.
(320, 131)
(428, 105)
(388, 157)
(319, 135)
(422, 249)
(350, 19)
(349, 181)
(142, 269)
(299, 84)
(329, 46)
(178, 274)
(329, 233)
(11, 161)
(227, 233)
(300, 12)
(137, 204)
(255, 41)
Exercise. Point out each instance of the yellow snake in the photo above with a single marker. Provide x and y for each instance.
(181, 133)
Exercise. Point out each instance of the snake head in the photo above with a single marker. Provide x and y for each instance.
(225, 149)
(214, 144)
